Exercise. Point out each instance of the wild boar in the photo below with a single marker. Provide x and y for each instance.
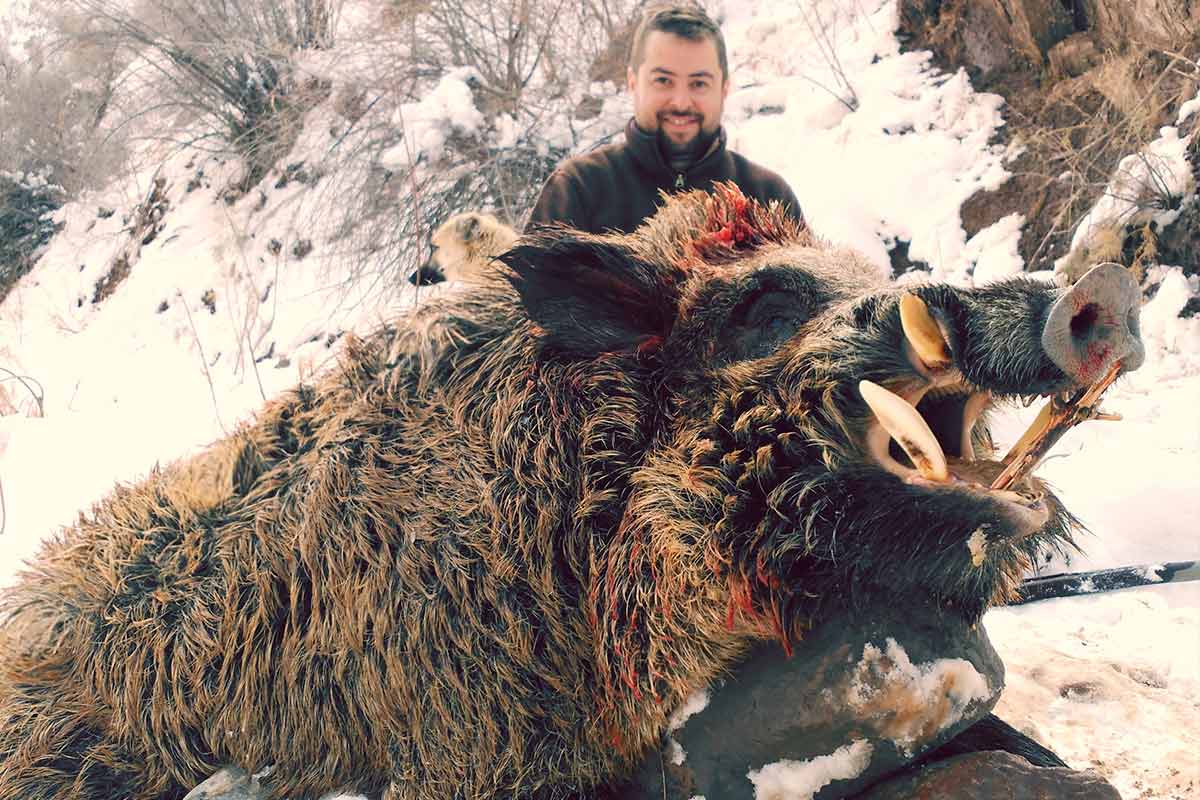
(491, 552)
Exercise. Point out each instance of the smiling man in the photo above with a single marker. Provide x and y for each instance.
(678, 77)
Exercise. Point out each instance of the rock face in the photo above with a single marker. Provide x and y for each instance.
(1146, 22)
(993, 776)
(1086, 84)
(230, 783)
(989, 36)
(867, 694)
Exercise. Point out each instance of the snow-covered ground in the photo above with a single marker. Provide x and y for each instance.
(877, 146)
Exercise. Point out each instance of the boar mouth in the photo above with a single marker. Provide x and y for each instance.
(924, 431)
(926, 434)
(933, 420)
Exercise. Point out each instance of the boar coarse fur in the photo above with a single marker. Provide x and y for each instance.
(494, 549)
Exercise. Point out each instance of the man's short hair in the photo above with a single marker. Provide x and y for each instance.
(689, 22)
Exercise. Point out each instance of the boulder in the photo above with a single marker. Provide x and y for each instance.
(1119, 24)
(992, 776)
(228, 783)
(866, 694)
(988, 36)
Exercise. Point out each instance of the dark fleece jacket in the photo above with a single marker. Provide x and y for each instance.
(617, 186)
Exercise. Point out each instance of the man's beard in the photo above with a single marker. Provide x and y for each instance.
(690, 149)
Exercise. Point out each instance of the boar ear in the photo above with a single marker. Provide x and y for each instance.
(592, 294)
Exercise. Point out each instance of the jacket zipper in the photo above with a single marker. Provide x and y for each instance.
(679, 182)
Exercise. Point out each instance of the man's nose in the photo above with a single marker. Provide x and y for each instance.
(681, 99)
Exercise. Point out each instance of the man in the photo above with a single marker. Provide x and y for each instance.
(678, 76)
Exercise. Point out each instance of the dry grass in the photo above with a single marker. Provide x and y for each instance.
(1073, 133)
(529, 60)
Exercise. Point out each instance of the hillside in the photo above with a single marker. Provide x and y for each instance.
(168, 304)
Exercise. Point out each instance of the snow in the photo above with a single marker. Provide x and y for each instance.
(1105, 681)
(676, 752)
(1187, 109)
(800, 780)
(911, 701)
(696, 702)
(899, 165)
(879, 148)
(428, 123)
(1142, 185)
(977, 545)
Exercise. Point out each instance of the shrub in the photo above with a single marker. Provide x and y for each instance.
(26, 205)
(225, 65)
(526, 63)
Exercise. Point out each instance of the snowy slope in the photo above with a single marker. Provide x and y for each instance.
(877, 146)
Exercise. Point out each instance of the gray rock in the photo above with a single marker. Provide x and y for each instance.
(1074, 55)
(993, 776)
(1150, 23)
(992, 36)
(229, 783)
(864, 695)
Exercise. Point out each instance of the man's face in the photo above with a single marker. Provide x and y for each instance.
(678, 90)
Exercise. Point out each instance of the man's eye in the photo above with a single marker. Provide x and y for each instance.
(700, 85)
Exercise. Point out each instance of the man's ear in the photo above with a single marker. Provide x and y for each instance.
(725, 84)
(593, 294)
(630, 79)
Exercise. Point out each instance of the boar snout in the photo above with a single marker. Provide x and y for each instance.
(1095, 324)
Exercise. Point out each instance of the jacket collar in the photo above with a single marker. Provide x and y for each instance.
(645, 151)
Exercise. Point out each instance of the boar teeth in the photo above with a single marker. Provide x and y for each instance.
(904, 423)
(922, 332)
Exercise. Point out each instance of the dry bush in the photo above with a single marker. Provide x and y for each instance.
(26, 203)
(1073, 133)
(386, 216)
(515, 46)
(1107, 118)
(51, 108)
(223, 66)
(50, 145)
(527, 61)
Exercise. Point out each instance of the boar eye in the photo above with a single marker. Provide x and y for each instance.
(765, 321)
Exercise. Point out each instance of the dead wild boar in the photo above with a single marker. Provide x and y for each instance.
(492, 551)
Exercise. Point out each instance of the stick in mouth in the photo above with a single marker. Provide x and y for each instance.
(1058, 417)
(900, 420)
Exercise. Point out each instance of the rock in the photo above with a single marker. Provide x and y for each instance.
(988, 35)
(302, 247)
(862, 697)
(229, 783)
(1037, 25)
(1074, 55)
(993, 776)
(1149, 23)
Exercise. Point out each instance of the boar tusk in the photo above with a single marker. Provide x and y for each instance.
(974, 406)
(905, 425)
(923, 332)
